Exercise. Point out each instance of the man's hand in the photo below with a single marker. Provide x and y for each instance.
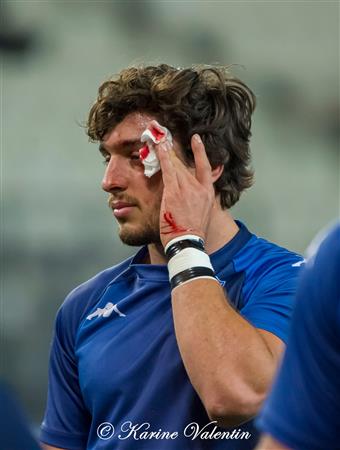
(188, 196)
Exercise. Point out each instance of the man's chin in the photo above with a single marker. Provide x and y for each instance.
(138, 238)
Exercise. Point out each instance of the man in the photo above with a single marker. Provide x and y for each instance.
(303, 411)
(141, 363)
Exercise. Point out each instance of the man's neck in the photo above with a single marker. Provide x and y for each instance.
(222, 229)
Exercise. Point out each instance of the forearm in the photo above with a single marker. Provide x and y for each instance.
(228, 361)
(49, 447)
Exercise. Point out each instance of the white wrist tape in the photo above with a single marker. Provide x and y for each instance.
(187, 259)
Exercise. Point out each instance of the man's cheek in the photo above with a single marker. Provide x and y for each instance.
(155, 185)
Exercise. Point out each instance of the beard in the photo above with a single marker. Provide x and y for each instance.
(144, 234)
(147, 234)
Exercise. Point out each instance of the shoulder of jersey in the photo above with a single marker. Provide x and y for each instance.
(80, 299)
(259, 252)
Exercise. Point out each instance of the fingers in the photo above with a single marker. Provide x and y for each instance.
(175, 171)
(203, 167)
(168, 170)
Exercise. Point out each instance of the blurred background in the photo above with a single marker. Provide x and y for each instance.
(56, 228)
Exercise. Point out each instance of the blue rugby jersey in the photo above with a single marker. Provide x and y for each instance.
(303, 410)
(115, 361)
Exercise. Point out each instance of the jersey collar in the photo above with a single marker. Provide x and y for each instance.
(219, 259)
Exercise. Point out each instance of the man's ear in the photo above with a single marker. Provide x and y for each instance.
(217, 172)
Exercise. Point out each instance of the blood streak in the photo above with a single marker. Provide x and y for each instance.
(157, 134)
(143, 152)
(172, 224)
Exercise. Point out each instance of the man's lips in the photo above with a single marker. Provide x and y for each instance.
(121, 209)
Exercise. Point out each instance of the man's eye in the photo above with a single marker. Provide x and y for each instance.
(135, 156)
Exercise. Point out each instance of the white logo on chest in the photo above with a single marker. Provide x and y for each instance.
(106, 311)
(299, 263)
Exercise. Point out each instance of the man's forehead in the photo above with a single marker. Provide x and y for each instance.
(128, 131)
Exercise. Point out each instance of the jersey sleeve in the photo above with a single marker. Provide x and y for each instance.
(66, 421)
(302, 411)
(270, 303)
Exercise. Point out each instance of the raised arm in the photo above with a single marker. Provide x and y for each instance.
(230, 363)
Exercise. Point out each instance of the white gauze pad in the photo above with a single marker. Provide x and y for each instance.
(153, 134)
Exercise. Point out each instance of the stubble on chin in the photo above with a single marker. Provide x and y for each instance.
(145, 235)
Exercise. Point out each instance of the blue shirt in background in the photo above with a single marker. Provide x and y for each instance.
(303, 411)
(15, 430)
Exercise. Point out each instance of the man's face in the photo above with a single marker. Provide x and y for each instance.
(134, 198)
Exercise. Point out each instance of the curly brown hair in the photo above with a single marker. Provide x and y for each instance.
(206, 100)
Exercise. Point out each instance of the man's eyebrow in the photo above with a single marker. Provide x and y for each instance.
(121, 145)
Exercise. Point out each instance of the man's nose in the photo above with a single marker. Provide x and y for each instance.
(114, 176)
